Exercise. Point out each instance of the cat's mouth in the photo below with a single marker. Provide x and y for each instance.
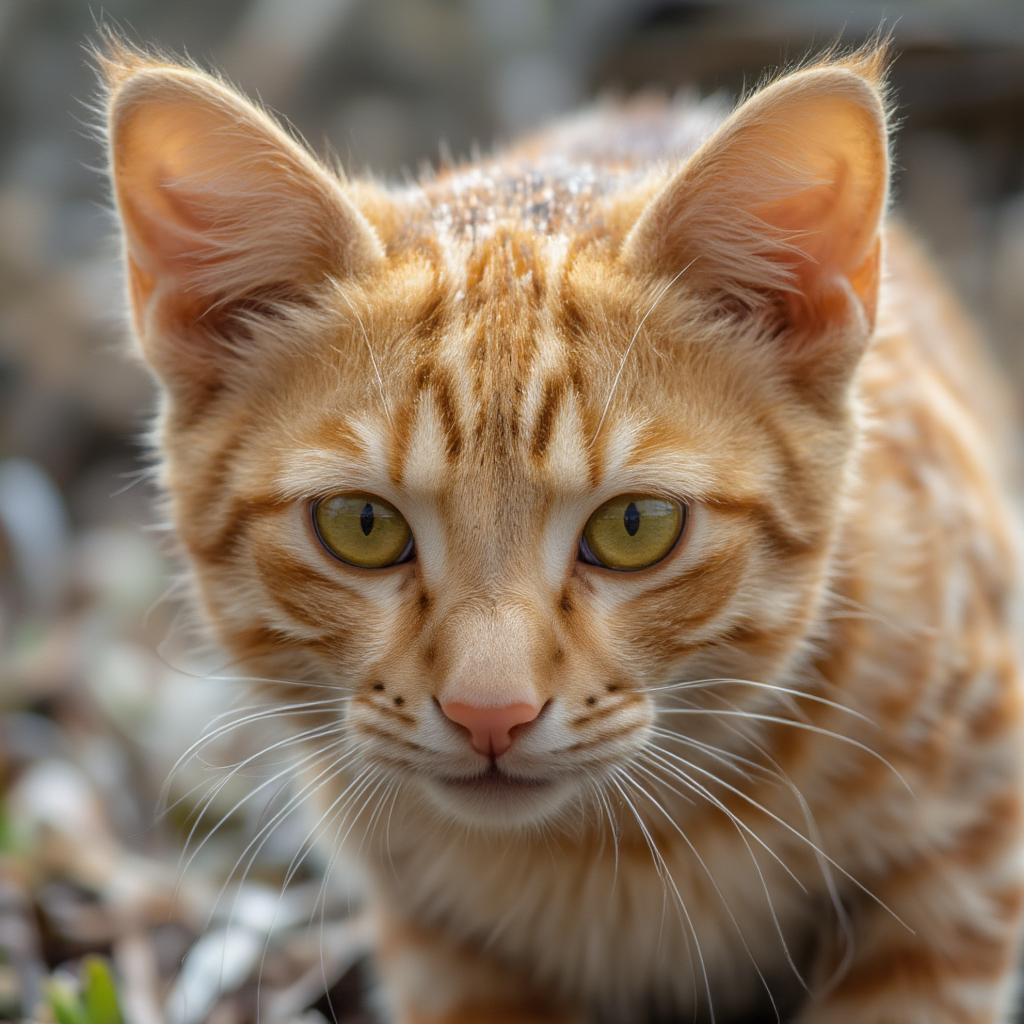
(494, 780)
(498, 799)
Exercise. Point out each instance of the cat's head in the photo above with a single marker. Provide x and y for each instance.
(494, 469)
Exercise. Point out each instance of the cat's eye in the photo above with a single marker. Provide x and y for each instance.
(363, 530)
(632, 531)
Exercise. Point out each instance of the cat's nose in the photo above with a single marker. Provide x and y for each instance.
(490, 729)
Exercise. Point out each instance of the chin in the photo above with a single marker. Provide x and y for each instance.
(499, 801)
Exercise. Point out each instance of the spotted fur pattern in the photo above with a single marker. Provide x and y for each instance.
(787, 757)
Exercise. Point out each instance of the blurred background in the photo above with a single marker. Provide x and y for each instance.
(99, 692)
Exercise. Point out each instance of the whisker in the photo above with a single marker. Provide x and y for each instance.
(808, 726)
(711, 798)
(629, 348)
(327, 818)
(860, 611)
(240, 803)
(387, 828)
(741, 827)
(337, 766)
(315, 733)
(380, 777)
(714, 884)
(369, 349)
(602, 802)
(375, 817)
(703, 684)
(799, 835)
(278, 708)
(262, 718)
(305, 848)
(215, 787)
(236, 769)
(262, 837)
(273, 711)
(667, 879)
(369, 782)
(266, 831)
(304, 684)
(827, 875)
(727, 758)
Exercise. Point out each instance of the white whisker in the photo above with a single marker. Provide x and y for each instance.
(828, 877)
(819, 730)
(727, 758)
(271, 711)
(369, 349)
(632, 341)
(740, 825)
(667, 879)
(704, 684)
(799, 835)
(714, 884)
(340, 763)
(317, 732)
(240, 803)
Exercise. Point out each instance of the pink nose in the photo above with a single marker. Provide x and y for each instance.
(490, 729)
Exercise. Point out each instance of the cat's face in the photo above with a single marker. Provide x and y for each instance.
(500, 491)
(493, 451)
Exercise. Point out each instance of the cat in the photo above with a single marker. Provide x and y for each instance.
(624, 517)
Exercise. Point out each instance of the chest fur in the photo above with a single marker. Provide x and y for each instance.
(611, 922)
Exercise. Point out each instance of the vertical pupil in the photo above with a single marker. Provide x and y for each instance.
(366, 519)
(631, 519)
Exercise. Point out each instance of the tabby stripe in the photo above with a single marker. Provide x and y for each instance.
(385, 709)
(550, 403)
(608, 737)
(308, 596)
(430, 377)
(384, 734)
(628, 698)
(241, 515)
(780, 538)
(923, 970)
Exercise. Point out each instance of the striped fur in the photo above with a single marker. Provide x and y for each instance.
(788, 753)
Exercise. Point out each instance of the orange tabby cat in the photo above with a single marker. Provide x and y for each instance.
(631, 500)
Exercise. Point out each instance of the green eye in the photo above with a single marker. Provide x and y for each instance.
(632, 531)
(363, 530)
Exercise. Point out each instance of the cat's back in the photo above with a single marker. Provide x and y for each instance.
(922, 311)
(629, 134)
(930, 371)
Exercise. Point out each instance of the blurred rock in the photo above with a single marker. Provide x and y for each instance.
(35, 531)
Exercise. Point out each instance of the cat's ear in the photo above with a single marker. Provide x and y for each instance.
(222, 212)
(781, 208)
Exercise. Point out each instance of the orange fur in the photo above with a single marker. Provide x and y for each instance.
(790, 748)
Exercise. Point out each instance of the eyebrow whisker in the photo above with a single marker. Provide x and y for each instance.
(629, 348)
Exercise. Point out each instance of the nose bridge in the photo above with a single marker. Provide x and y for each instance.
(491, 646)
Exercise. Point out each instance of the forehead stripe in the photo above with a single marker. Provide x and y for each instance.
(432, 378)
(551, 400)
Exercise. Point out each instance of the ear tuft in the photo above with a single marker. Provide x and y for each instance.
(117, 59)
